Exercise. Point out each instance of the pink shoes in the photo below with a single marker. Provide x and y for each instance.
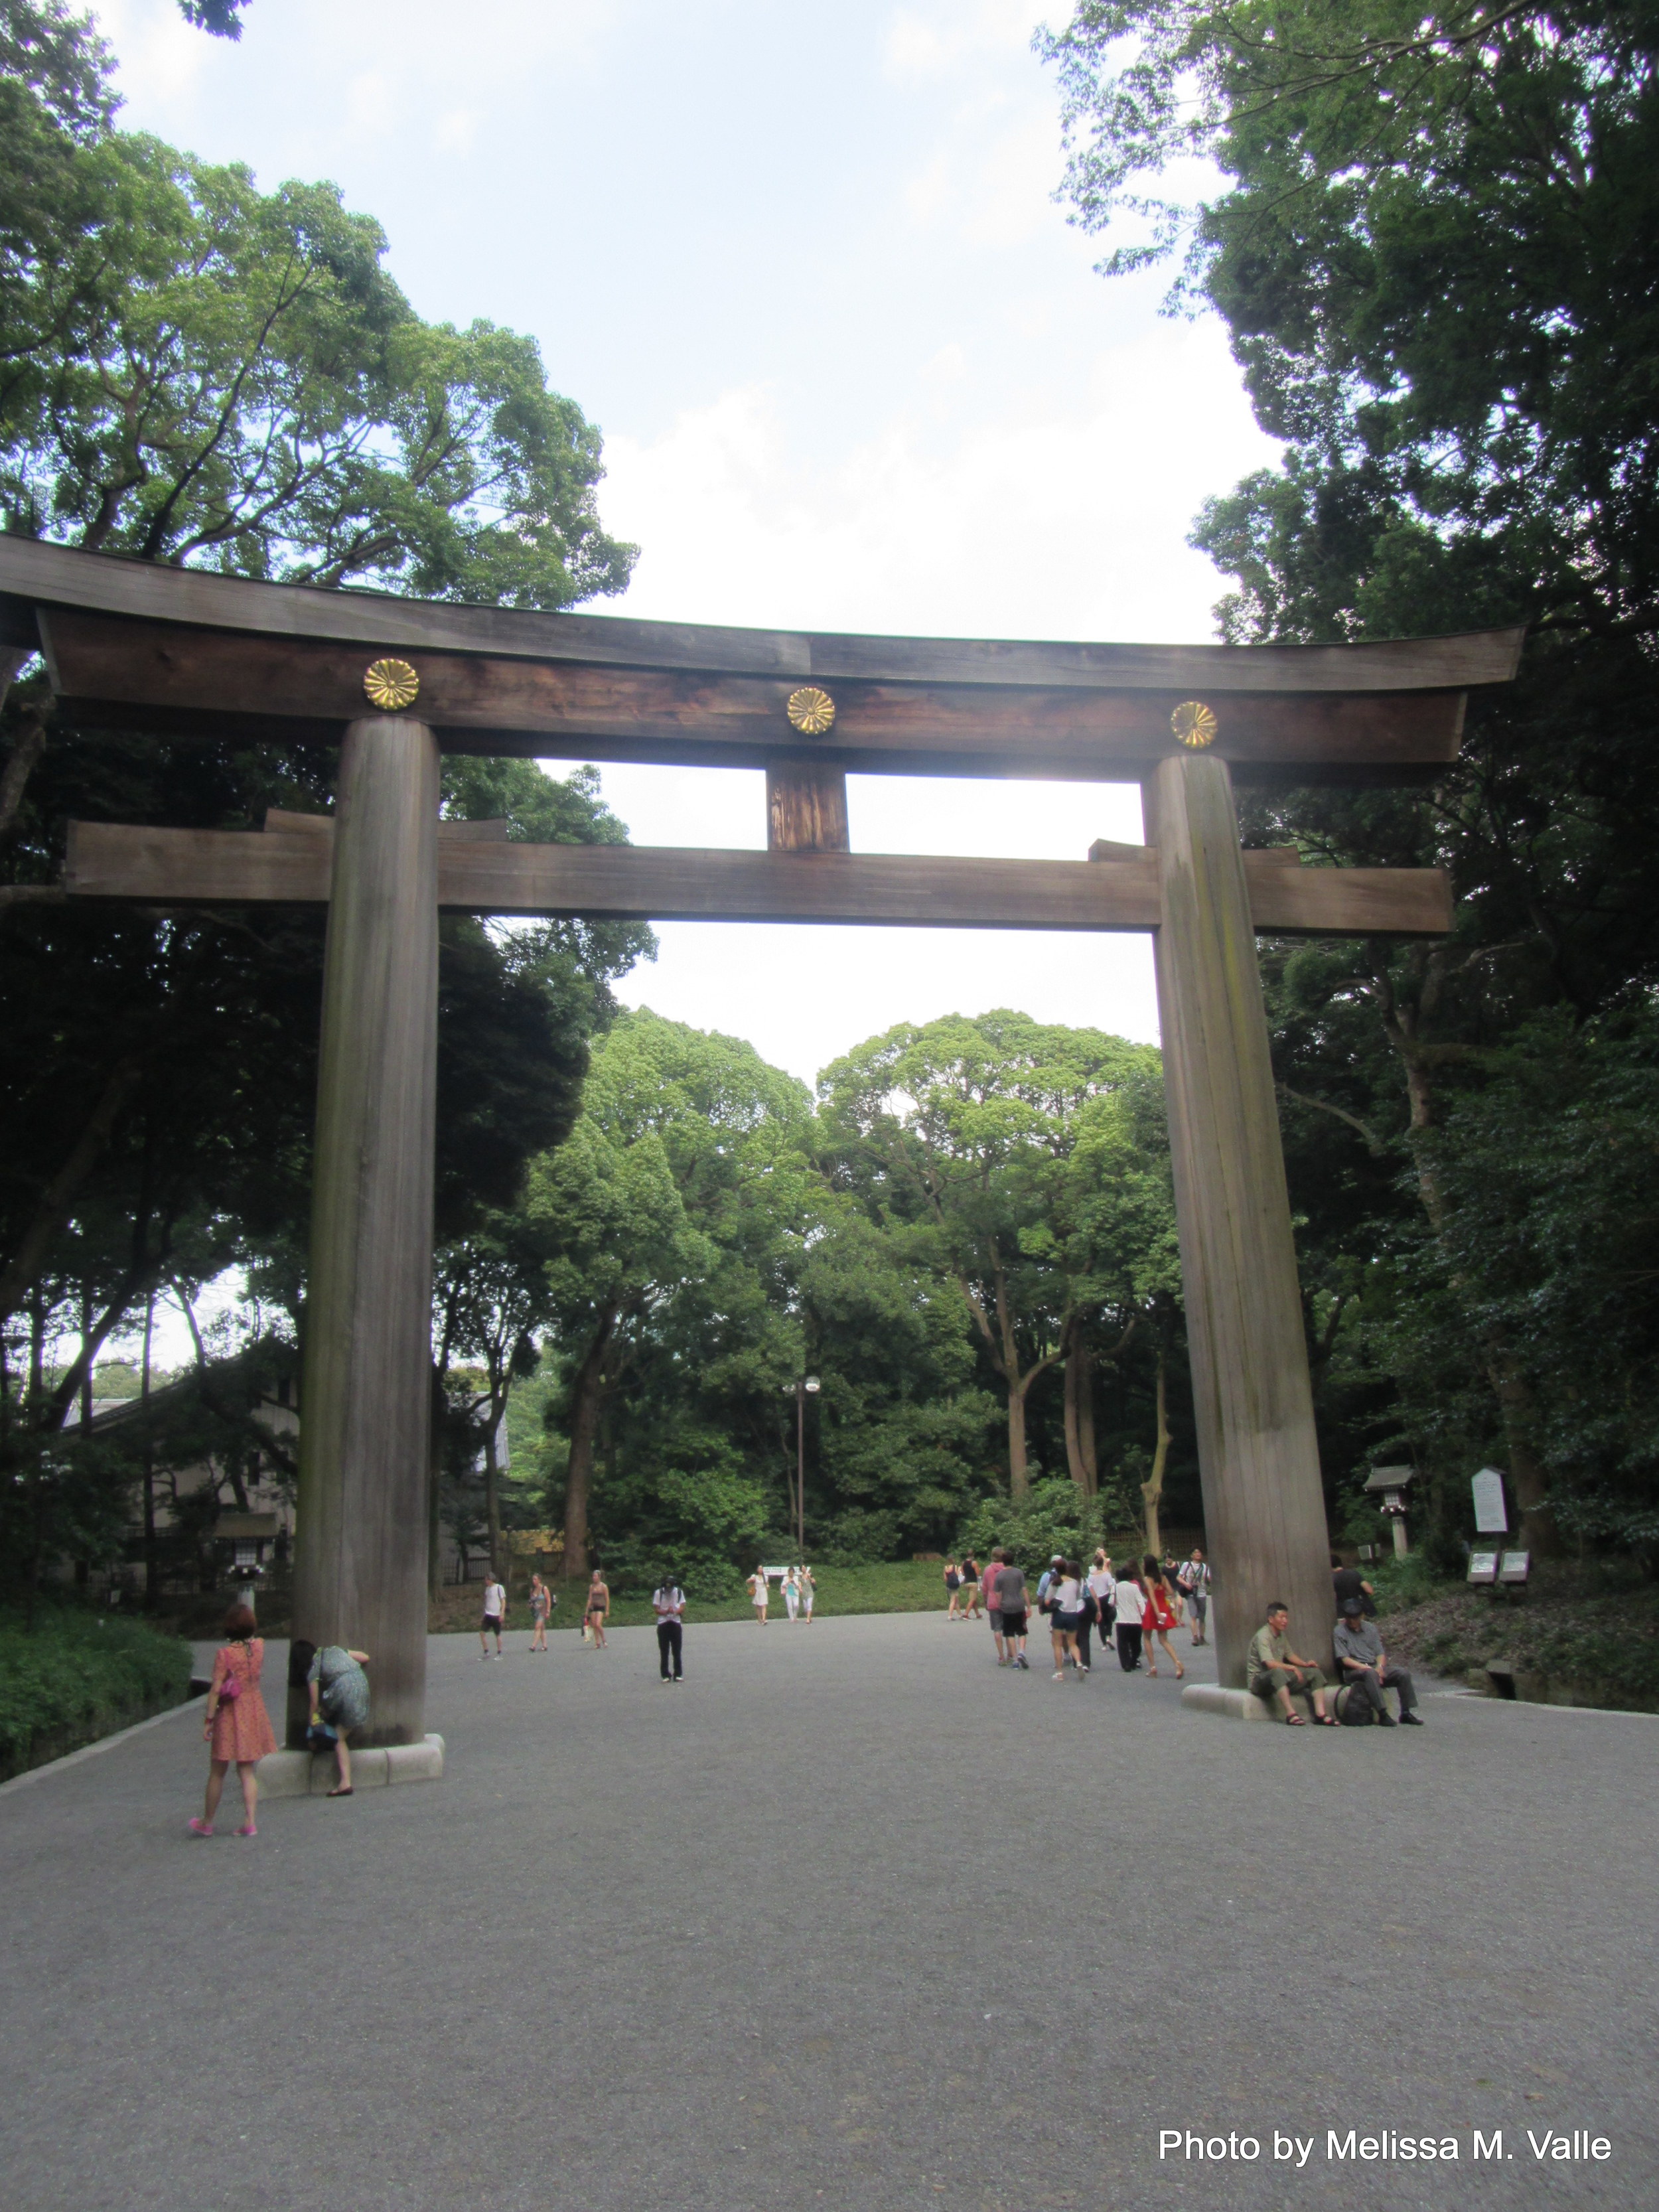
(198, 1826)
(247, 1828)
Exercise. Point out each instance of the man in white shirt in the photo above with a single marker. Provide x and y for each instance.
(1129, 1600)
(1101, 1584)
(1195, 1587)
(494, 1616)
(668, 1602)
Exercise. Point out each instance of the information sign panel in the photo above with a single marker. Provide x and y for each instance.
(1490, 1516)
(1483, 1567)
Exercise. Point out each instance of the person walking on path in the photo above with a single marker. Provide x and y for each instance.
(1011, 1596)
(668, 1603)
(339, 1696)
(1098, 1586)
(237, 1729)
(1066, 1618)
(1160, 1618)
(541, 1601)
(1130, 1601)
(598, 1608)
(970, 1606)
(759, 1594)
(791, 1594)
(952, 1590)
(495, 1616)
(1195, 1582)
(993, 1603)
(809, 1590)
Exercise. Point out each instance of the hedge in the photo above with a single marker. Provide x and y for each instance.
(69, 1677)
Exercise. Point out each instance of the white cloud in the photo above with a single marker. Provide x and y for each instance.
(455, 131)
(971, 509)
(934, 41)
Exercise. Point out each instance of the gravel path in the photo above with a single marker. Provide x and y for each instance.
(850, 1920)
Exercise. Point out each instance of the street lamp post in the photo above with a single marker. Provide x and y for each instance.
(800, 1389)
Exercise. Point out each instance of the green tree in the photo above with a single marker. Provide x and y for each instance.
(965, 1132)
(195, 372)
(1433, 244)
(688, 1149)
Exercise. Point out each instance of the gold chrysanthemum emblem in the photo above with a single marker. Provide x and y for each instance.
(391, 685)
(1194, 724)
(811, 710)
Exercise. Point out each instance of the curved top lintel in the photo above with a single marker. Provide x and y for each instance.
(34, 573)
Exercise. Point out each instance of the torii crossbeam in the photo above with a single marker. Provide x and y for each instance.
(395, 682)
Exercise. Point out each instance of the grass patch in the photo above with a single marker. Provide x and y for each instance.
(71, 1677)
(880, 1586)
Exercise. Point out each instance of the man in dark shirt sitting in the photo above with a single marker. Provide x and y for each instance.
(1367, 1669)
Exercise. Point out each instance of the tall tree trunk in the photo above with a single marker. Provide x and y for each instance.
(435, 1469)
(26, 748)
(1152, 1491)
(493, 1501)
(586, 1403)
(1527, 1475)
(1080, 1414)
(1086, 1424)
(86, 1364)
(152, 1559)
(1019, 1470)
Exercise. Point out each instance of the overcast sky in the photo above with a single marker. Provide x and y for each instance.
(804, 268)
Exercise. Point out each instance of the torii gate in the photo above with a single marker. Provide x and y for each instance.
(395, 681)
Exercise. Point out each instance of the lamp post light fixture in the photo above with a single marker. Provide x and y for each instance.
(1388, 1485)
(804, 1386)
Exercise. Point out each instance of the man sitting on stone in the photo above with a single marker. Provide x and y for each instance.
(1276, 1673)
(1367, 1668)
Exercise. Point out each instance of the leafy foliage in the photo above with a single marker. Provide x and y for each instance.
(195, 372)
(1432, 242)
(68, 1677)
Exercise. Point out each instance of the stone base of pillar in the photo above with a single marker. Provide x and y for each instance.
(312, 1773)
(1232, 1705)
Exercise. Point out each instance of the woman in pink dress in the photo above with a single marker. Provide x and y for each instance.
(237, 1726)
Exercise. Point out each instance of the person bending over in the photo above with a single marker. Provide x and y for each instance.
(1276, 1673)
(1367, 1668)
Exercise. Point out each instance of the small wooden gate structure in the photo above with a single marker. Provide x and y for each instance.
(395, 682)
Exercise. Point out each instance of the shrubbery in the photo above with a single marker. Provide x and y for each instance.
(1055, 1517)
(69, 1678)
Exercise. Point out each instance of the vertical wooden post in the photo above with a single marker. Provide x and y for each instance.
(361, 1541)
(806, 806)
(1264, 1506)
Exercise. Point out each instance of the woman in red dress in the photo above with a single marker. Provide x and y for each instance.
(237, 1726)
(1161, 1616)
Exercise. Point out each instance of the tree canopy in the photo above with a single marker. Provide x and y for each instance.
(196, 372)
(1429, 234)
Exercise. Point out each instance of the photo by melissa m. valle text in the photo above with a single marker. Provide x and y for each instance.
(1354, 2146)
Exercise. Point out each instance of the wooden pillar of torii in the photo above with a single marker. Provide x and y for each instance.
(181, 654)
